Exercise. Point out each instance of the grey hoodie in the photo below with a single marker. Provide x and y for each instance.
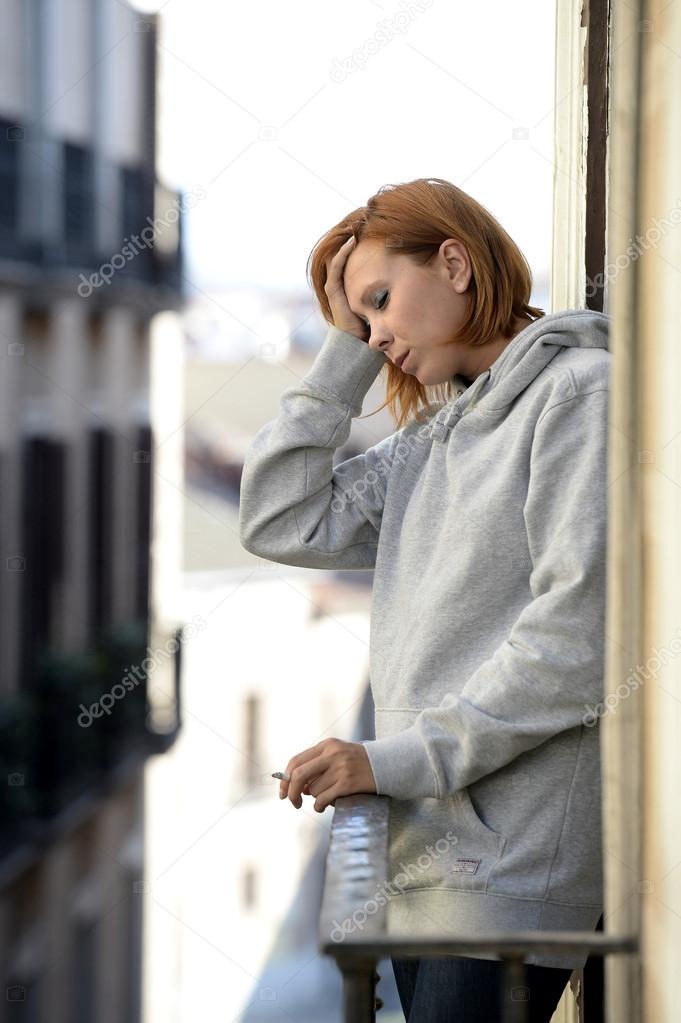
(486, 529)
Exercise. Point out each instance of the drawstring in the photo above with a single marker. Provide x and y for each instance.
(449, 415)
(442, 423)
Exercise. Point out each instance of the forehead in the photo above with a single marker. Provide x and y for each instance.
(368, 261)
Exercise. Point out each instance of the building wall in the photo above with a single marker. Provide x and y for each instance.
(14, 80)
(69, 924)
(78, 494)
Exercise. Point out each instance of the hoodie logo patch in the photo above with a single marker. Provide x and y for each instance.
(465, 865)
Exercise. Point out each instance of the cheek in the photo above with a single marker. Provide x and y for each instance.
(433, 316)
(412, 320)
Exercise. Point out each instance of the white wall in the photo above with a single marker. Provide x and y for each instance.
(205, 827)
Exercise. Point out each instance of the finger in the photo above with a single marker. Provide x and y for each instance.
(327, 798)
(305, 774)
(300, 758)
(299, 785)
(306, 756)
(335, 263)
(306, 791)
(341, 251)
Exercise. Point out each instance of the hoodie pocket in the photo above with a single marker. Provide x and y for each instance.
(476, 850)
(442, 843)
(492, 841)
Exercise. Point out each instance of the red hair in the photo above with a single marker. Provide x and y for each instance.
(414, 218)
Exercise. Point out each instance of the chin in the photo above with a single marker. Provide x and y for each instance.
(427, 381)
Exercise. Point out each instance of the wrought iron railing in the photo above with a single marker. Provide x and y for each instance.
(357, 860)
(66, 736)
(139, 250)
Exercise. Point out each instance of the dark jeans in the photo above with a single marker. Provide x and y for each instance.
(458, 989)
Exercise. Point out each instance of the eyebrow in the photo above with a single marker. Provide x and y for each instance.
(365, 294)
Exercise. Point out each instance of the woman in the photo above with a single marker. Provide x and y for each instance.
(484, 519)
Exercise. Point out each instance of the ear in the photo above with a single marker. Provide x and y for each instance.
(458, 263)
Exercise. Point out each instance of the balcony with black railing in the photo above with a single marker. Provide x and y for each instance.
(84, 721)
(145, 218)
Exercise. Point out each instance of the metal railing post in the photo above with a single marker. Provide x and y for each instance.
(359, 989)
(514, 1007)
(353, 920)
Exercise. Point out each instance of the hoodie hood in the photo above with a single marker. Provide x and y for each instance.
(521, 361)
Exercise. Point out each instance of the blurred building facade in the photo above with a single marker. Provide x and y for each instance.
(90, 251)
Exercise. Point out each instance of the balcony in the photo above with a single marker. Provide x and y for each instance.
(72, 192)
(82, 728)
(356, 862)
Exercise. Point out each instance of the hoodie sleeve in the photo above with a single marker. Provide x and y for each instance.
(295, 507)
(549, 670)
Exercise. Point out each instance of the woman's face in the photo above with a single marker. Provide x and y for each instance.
(414, 309)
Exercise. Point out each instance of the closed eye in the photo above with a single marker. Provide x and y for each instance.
(381, 305)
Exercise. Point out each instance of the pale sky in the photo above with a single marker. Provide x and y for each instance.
(291, 115)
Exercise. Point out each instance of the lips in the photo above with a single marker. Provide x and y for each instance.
(401, 358)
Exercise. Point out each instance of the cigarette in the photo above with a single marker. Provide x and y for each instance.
(282, 775)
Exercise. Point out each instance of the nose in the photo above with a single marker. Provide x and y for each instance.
(380, 339)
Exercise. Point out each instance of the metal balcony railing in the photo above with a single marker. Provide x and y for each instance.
(356, 862)
(66, 736)
(146, 242)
